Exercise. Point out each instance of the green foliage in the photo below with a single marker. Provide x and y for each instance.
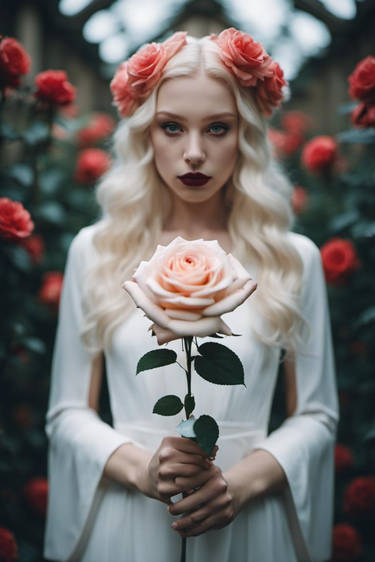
(156, 358)
(169, 405)
(219, 364)
(207, 433)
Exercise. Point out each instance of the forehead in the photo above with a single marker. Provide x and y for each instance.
(199, 94)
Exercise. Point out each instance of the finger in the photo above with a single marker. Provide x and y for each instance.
(184, 445)
(185, 484)
(169, 471)
(212, 489)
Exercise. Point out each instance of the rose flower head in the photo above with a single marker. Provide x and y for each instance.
(14, 62)
(50, 290)
(359, 496)
(52, 87)
(186, 286)
(363, 116)
(100, 127)
(92, 163)
(36, 493)
(362, 80)
(344, 458)
(339, 259)
(15, 221)
(299, 199)
(320, 153)
(347, 543)
(8, 546)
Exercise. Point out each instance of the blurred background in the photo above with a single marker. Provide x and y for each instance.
(54, 145)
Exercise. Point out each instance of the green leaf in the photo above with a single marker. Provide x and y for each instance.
(207, 432)
(156, 358)
(362, 136)
(189, 404)
(37, 133)
(219, 364)
(34, 344)
(22, 173)
(168, 405)
(52, 212)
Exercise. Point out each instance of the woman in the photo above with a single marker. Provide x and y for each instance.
(193, 160)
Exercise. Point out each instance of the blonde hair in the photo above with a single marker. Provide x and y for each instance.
(135, 205)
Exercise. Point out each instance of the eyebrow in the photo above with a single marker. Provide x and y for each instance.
(208, 118)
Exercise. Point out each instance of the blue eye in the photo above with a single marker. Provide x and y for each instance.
(218, 129)
(171, 128)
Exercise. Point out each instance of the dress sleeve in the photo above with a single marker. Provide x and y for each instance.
(304, 444)
(79, 442)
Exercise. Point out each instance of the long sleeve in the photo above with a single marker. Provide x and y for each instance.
(303, 445)
(80, 443)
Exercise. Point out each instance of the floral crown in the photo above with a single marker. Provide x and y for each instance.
(247, 60)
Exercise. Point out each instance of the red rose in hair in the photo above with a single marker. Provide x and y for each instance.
(359, 496)
(100, 127)
(347, 543)
(50, 290)
(363, 115)
(35, 247)
(295, 122)
(319, 153)
(299, 199)
(339, 259)
(36, 493)
(14, 62)
(8, 546)
(343, 458)
(53, 87)
(245, 58)
(15, 221)
(269, 92)
(362, 80)
(91, 164)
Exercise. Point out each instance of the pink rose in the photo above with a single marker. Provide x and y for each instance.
(135, 78)
(269, 92)
(186, 286)
(246, 59)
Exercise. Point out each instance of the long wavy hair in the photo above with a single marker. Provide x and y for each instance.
(135, 205)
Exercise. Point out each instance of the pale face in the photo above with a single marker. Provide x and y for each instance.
(195, 131)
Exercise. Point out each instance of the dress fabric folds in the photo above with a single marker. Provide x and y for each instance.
(92, 519)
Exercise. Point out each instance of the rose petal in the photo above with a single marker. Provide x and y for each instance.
(198, 328)
(231, 302)
(182, 314)
(152, 310)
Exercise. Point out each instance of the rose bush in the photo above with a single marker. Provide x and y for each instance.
(100, 127)
(8, 546)
(362, 80)
(15, 221)
(363, 115)
(186, 286)
(34, 245)
(14, 62)
(319, 153)
(344, 458)
(36, 493)
(299, 199)
(359, 496)
(91, 164)
(52, 87)
(51, 288)
(339, 258)
(347, 543)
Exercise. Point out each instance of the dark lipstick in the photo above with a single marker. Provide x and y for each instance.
(194, 179)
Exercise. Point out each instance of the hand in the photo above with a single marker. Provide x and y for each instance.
(178, 465)
(213, 506)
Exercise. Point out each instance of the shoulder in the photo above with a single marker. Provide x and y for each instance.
(82, 246)
(307, 249)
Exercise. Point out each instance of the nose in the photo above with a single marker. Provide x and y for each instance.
(194, 153)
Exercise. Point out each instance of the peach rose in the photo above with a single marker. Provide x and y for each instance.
(270, 91)
(186, 286)
(135, 78)
(246, 59)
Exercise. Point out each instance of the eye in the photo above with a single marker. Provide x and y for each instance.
(218, 129)
(170, 127)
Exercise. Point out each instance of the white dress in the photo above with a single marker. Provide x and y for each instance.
(92, 519)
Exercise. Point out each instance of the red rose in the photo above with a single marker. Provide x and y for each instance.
(50, 290)
(36, 493)
(343, 458)
(363, 115)
(362, 80)
(319, 153)
(53, 87)
(91, 164)
(100, 127)
(285, 143)
(14, 62)
(34, 246)
(347, 543)
(359, 496)
(299, 199)
(8, 546)
(296, 122)
(269, 92)
(339, 259)
(15, 221)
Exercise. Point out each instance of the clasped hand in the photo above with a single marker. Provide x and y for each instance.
(179, 465)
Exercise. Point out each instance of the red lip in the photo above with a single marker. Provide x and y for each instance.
(194, 179)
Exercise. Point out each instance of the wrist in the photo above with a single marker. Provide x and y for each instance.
(128, 466)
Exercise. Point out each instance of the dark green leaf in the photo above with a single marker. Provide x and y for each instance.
(156, 358)
(38, 132)
(219, 364)
(189, 404)
(207, 432)
(366, 317)
(52, 212)
(168, 405)
(362, 136)
(22, 173)
(34, 344)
